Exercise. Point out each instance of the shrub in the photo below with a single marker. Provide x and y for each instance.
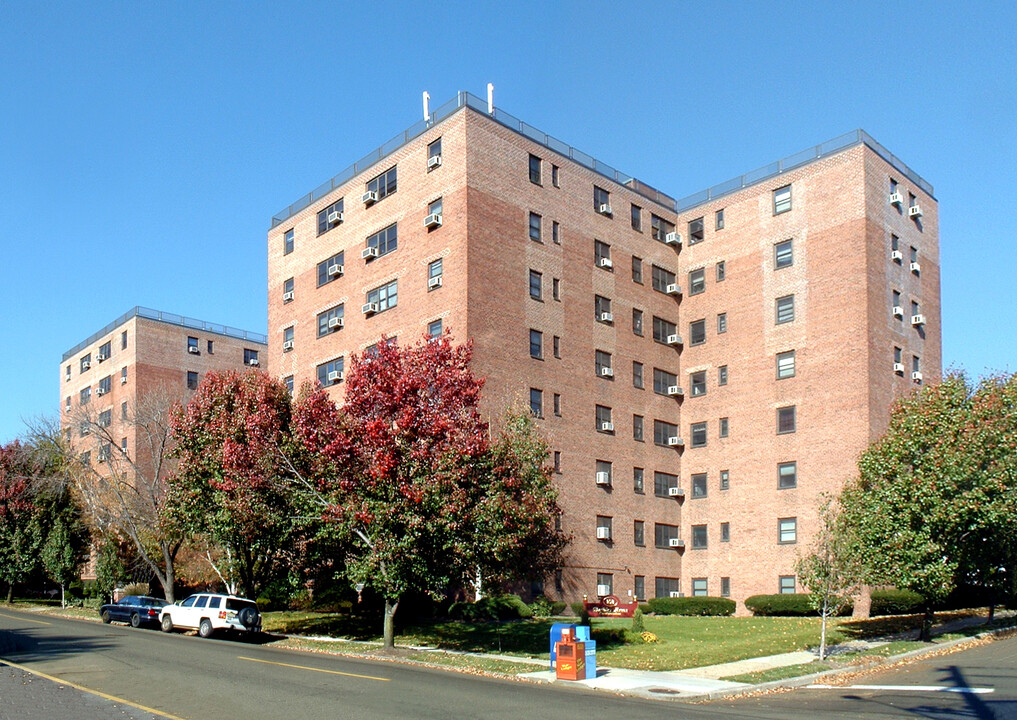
(712, 606)
(542, 606)
(895, 602)
(577, 608)
(797, 605)
(645, 608)
(136, 589)
(493, 607)
(637, 622)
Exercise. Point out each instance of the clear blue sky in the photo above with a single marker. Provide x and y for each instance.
(144, 146)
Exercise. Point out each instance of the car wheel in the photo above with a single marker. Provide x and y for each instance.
(167, 623)
(205, 628)
(105, 617)
(135, 620)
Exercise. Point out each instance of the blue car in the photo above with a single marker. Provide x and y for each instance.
(137, 610)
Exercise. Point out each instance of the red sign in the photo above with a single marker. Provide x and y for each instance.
(610, 606)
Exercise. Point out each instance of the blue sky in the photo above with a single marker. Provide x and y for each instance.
(144, 146)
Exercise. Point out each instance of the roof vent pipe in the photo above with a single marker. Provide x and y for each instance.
(427, 109)
(490, 98)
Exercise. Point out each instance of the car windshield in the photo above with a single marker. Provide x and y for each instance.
(236, 604)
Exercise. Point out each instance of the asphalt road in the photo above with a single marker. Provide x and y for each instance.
(187, 677)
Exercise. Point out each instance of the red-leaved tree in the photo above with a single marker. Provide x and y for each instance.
(20, 533)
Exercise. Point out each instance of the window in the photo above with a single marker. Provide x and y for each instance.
(604, 528)
(697, 332)
(433, 151)
(537, 402)
(781, 200)
(718, 223)
(67, 374)
(639, 587)
(787, 475)
(288, 290)
(637, 428)
(721, 323)
(192, 380)
(387, 296)
(434, 208)
(637, 322)
(602, 309)
(603, 466)
(785, 364)
(123, 346)
(785, 309)
(699, 587)
(123, 410)
(330, 269)
(555, 232)
(659, 228)
(536, 344)
(637, 480)
(331, 372)
(602, 360)
(556, 289)
(288, 242)
(536, 285)
(722, 375)
(663, 482)
(699, 481)
(697, 281)
(698, 432)
(434, 270)
(105, 385)
(699, 537)
(209, 346)
(637, 218)
(787, 584)
(331, 320)
(786, 421)
(663, 534)
(105, 419)
(557, 405)
(637, 270)
(663, 431)
(725, 587)
(288, 339)
(637, 375)
(898, 356)
(250, 357)
(602, 255)
(601, 200)
(662, 380)
(535, 169)
(384, 184)
(329, 217)
(665, 587)
(783, 254)
(554, 176)
(696, 231)
(725, 427)
(721, 271)
(603, 415)
(104, 451)
(663, 329)
(895, 245)
(916, 364)
(434, 329)
(535, 227)
(725, 479)
(123, 445)
(556, 346)
(105, 351)
(84, 428)
(787, 530)
(86, 361)
(662, 278)
(557, 461)
(67, 404)
(385, 241)
(288, 382)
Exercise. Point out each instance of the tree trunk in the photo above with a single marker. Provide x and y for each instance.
(63, 600)
(992, 613)
(822, 632)
(10, 593)
(925, 634)
(390, 611)
(478, 586)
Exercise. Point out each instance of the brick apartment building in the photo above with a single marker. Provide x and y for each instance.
(703, 369)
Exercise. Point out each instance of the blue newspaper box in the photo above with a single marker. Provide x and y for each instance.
(581, 634)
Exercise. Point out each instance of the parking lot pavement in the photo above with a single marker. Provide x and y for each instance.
(26, 695)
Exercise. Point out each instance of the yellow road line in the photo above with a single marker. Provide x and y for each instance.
(90, 691)
(314, 669)
(18, 617)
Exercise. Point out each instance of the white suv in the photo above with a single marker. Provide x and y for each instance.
(208, 612)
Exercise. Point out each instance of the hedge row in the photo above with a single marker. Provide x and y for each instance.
(895, 602)
(797, 605)
(494, 607)
(712, 606)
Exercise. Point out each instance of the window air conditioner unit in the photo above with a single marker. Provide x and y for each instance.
(607, 427)
(674, 593)
(123, 379)
(898, 311)
(604, 209)
(433, 162)
(193, 350)
(673, 289)
(603, 478)
(100, 357)
(898, 368)
(369, 308)
(369, 252)
(253, 362)
(673, 238)
(916, 376)
(287, 345)
(605, 263)
(674, 339)
(917, 320)
(914, 211)
(675, 441)
(606, 317)
(288, 296)
(434, 282)
(676, 543)
(335, 269)
(369, 197)
(100, 391)
(897, 256)
(335, 323)
(916, 267)
(607, 372)
(603, 590)
(335, 376)
(85, 364)
(432, 221)
(675, 390)
(675, 492)
(603, 533)
(896, 198)
(335, 217)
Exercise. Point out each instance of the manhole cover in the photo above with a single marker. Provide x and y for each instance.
(665, 691)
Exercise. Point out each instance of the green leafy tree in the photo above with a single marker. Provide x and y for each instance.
(20, 529)
(59, 556)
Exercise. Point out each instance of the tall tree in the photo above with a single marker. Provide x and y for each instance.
(226, 487)
(21, 534)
